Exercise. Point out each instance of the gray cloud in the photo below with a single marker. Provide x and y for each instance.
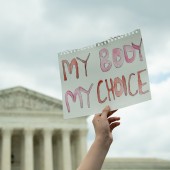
(33, 32)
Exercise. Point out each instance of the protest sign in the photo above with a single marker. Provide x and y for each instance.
(113, 72)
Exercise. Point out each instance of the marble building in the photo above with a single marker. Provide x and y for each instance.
(34, 136)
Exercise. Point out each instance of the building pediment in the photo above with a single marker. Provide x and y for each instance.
(23, 99)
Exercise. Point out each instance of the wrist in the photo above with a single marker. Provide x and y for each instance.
(103, 141)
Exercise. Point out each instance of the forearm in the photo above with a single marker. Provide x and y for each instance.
(103, 125)
(96, 155)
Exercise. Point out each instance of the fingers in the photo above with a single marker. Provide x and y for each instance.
(106, 112)
(111, 112)
(113, 125)
(112, 122)
(113, 119)
(97, 114)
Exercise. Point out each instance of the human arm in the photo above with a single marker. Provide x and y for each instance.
(103, 125)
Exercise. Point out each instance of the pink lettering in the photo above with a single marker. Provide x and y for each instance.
(129, 49)
(78, 92)
(140, 84)
(118, 82)
(118, 86)
(124, 85)
(118, 58)
(85, 63)
(105, 64)
(98, 92)
(130, 76)
(111, 89)
(70, 67)
(138, 47)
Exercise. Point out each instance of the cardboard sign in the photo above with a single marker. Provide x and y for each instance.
(112, 72)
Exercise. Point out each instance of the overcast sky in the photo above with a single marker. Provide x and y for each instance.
(32, 32)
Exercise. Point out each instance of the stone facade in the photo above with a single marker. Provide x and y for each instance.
(136, 164)
(33, 134)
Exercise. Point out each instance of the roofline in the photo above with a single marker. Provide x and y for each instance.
(39, 94)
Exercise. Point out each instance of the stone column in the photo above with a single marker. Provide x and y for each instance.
(48, 154)
(41, 152)
(0, 148)
(22, 150)
(6, 150)
(83, 143)
(28, 148)
(59, 151)
(66, 150)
